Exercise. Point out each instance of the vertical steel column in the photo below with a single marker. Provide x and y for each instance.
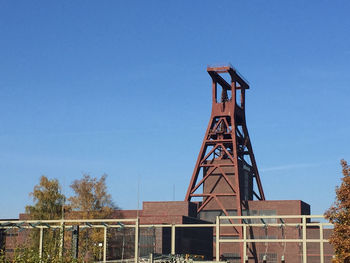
(217, 239)
(244, 243)
(41, 242)
(321, 244)
(172, 239)
(105, 245)
(75, 241)
(137, 240)
(304, 240)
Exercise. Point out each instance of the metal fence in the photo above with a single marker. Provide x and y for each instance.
(122, 236)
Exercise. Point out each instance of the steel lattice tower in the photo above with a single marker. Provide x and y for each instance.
(226, 163)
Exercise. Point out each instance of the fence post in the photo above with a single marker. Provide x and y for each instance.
(61, 251)
(105, 245)
(172, 239)
(244, 243)
(137, 240)
(217, 237)
(41, 243)
(321, 244)
(304, 240)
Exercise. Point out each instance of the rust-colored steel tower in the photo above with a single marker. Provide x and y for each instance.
(226, 161)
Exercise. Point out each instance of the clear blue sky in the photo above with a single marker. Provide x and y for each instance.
(120, 87)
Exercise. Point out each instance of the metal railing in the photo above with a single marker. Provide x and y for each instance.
(301, 221)
(304, 224)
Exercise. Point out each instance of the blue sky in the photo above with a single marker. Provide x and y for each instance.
(120, 87)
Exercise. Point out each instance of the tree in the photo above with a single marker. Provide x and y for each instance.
(339, 215)
(91, 201)
(48, 200)
(91, 198)
(48, 205)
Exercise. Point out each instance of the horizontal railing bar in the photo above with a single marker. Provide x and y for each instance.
(68, 220)
(168, 225)
(66, 227)
(178, 225)
(276, 225)
(272, 216)
(273, 240)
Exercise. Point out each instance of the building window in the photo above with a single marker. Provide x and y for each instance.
(212, 214)
(268, 213)
(260, 213)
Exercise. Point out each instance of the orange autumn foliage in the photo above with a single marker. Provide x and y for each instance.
(339, 215)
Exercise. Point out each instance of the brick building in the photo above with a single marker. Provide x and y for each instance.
(201, 240)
